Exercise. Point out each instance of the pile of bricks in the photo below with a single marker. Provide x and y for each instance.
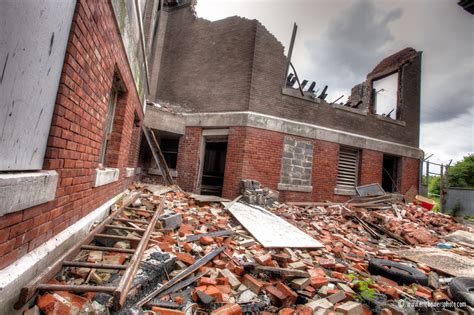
(248, 278)
(253, 193)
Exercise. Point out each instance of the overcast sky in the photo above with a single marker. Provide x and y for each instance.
(340, 41)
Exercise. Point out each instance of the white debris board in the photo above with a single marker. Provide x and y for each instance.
(270, 230)
(442, 260)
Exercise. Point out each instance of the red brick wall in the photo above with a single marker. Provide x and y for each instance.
(409, 174)
(325, 159)
(94, 53)
(370, 170)
(234, 161)
(188, 158)
(254, 153)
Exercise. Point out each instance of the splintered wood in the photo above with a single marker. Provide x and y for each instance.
(270, 230)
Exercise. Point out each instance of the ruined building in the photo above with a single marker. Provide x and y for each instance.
(225, 113)
(73, 95)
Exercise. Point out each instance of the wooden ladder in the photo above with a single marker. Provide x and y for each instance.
(120, 291)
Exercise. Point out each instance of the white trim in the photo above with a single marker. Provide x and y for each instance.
(106, 176)
(129, 171)
(287, 126)
(215, 132)
(290, 187)
(23, 190)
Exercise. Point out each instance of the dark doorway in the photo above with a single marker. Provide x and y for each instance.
(390, 173)
(213, 167)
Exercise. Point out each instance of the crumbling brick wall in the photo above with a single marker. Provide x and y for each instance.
(206, 65)
(94, 54)
(236, 64)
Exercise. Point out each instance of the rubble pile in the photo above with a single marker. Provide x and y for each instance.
(255, 194)
(221, 269)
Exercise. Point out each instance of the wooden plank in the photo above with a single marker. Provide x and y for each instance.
(270, 230)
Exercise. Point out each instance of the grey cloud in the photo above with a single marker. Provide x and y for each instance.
(449, 98)
(352, 45)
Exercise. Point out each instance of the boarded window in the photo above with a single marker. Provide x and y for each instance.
(385, 96)
(347, 168)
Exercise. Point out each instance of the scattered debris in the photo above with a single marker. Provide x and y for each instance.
(236, 258)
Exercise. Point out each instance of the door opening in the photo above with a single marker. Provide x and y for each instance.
(212, 179)
(390, 173)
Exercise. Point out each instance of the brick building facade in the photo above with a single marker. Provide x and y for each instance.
(223, 82)
(90, 135)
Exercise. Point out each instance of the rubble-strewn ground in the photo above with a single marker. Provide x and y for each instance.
(247, 278)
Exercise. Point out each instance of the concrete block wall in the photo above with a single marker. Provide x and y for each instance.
(297, 162)
(94, 54)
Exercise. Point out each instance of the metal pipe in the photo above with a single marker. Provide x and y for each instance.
(290, 52)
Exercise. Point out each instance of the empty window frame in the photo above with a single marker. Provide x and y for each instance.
(385, 96)
(347, 168)
(108, 124)
(169, 148)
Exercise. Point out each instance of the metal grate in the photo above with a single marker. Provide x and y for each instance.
(348, 168)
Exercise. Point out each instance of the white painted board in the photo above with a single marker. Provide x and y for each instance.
(270, 230)
(33, 40)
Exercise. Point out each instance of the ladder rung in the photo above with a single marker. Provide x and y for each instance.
(93, 265)
(118, 237)
(138, 209)
(76, 288)
(120, 227)
(131, 220)
(108, 249)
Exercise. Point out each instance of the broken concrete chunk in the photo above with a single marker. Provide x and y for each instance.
(300, 283)
(171, 220)
(350, 308)
(246, 297)
(299, 265)
(233, 281)
(321, 303)
(336, 297)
